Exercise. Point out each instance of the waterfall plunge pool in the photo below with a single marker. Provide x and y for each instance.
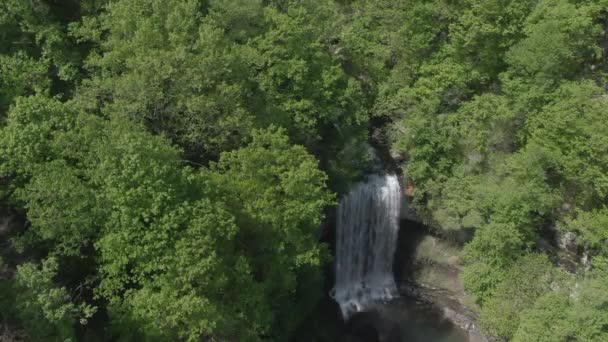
(402, 319)
(367, 231)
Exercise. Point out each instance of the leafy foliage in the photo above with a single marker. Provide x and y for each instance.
(173, 159)
(592, 228)
(181, 253)
(45, 308)
(527, 280)
(498, 108)
(278, 194)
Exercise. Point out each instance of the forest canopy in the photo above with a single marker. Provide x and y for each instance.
(173, 161)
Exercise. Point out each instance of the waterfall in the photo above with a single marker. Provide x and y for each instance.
(366, 239)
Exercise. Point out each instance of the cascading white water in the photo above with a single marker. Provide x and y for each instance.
(366, 239)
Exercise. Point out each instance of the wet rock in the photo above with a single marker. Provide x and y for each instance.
(450, 307)
(431, 278)
(407, 212)
(567, 241)
(397, 156)
(571, 254)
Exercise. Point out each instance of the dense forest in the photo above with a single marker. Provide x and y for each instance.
(173, 161)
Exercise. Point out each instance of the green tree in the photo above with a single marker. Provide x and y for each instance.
(21, 75)
(45, 147)
(26, 141)
(572, 313)
(46, 309)
(277, 194)
(560, 38)
(484, 31)
(198, 285)
(163, 65)
(573, 132)
(530, 277)
(303, 86)
(592, 228)
(39, 29)
(61, 208)
(588, 315)
(546, 321)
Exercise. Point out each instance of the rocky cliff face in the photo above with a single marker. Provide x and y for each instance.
(428, 269)
(566, 246)
(407, 212)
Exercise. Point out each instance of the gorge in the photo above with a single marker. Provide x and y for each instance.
(377, 303)
(299, 170)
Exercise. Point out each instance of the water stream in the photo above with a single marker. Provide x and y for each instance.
(367, 234)
(366, 239)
